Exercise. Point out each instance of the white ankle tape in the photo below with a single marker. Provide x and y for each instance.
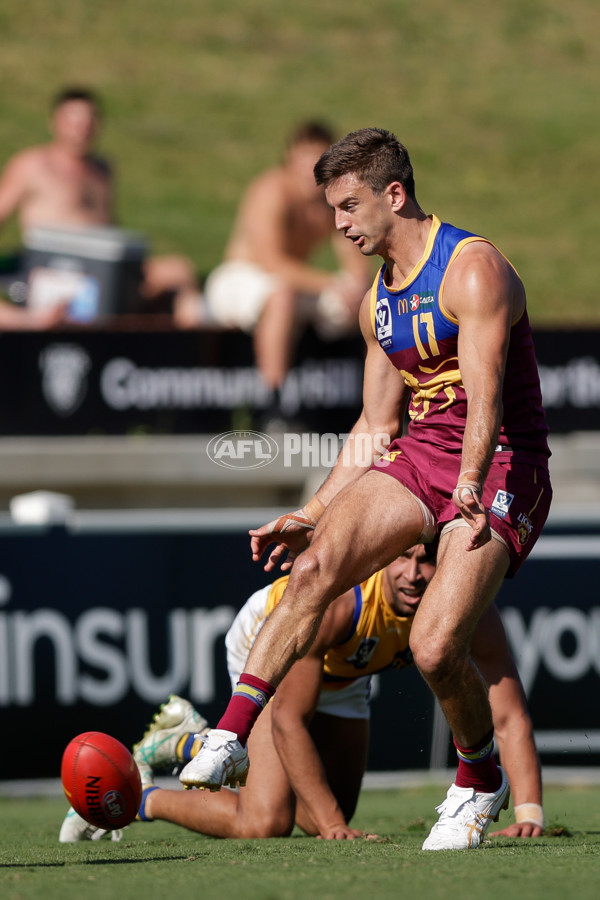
(530, 812)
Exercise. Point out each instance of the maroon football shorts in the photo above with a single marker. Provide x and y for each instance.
(517, 490)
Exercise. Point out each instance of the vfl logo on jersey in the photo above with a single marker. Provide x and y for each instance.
(364, 653)
(383, 321)
(524, 528)
(501, 503)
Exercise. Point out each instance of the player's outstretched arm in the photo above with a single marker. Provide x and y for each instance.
(483, 294)
(291, 532)
(293, 707)
(384, 400)
(512, 725)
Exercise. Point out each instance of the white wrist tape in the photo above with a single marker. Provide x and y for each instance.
(530, 812)
(471, 490)
(307, 517)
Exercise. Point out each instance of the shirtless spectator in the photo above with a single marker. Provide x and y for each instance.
(64, 184)
(267, 284)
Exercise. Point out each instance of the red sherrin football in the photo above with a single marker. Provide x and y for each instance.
(101, 780)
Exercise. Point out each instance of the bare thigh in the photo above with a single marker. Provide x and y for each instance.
(363, 529)
(464, 585)
(265, 807)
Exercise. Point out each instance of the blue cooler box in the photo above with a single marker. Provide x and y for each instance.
(96, 270)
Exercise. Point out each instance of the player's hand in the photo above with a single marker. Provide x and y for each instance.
(520, 829)
(467, 497)
(291, 532)
(341, 832)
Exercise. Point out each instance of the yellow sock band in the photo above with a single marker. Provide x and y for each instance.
(183, 751)
(181, 747)
(196, 746)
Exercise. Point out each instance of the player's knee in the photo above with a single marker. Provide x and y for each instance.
(436, 658)
(312, 574)
(304, 602)
(266, 825)
(306, 573)
(314, 582)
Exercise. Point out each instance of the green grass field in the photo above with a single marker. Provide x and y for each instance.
(498, 104)
(160, 860)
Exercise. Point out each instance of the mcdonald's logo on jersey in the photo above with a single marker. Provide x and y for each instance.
(402, 306)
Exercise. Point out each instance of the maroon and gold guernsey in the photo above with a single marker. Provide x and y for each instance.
(421, 337)
(377, 638)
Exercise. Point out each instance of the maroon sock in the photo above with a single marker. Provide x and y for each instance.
(247, 702)
(477, 766)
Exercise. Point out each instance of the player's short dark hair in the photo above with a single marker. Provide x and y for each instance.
(311, 132)
(76, 92)
(374, 155)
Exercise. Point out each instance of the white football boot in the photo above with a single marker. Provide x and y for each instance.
(75, 829)
(157, 750)
(220, 761)
(465, 816)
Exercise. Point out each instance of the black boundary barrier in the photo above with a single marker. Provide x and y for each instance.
(98, 624)
(91, 381)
